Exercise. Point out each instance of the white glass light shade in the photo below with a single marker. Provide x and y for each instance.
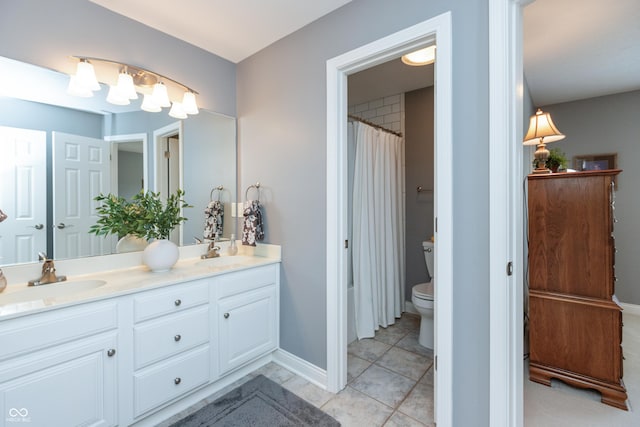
(189, 103)
(149, 105)
(86, 76)
(116, 97)
(542, 128)
(177, 111)
(76, 90)
(420, 57)
(126, 87)
(160, 95)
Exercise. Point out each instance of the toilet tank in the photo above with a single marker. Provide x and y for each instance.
(429, 252)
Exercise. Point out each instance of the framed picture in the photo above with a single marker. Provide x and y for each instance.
(594, 162)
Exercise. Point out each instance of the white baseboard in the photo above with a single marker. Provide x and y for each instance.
(631, 308)
(301, 367)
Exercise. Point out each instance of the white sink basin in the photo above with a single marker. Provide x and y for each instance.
(52, 290)
(226, 261)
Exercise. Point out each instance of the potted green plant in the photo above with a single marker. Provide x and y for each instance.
(120, 217)
(148, 217)
(557, 160)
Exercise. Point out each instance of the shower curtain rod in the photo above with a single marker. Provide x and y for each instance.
(367, 122)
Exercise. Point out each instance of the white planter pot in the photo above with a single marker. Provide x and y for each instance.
(160, 255)
(131, 243)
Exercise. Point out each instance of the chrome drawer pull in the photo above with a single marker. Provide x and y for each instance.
(226, 315)
(177, 302)
(177, 338)
(177, 381)
(111, 352)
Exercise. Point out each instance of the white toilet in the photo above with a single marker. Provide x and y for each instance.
(422, 299)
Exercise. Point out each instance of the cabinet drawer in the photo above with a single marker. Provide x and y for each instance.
(164, 382)
(170, 300)
(157, 339)
(246, 280)
(30, 333)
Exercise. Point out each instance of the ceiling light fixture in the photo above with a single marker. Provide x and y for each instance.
(126, 81)
(421, 57)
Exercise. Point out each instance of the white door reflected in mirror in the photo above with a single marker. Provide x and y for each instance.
(23, 196)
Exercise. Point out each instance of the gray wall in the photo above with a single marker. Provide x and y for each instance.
(209, 161)
(47, 33)
(603, 125)
(282, 143)
(130, 174)
(419, 161)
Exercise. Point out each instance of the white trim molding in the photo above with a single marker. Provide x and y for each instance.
(301, 367)
(134, 137)
(338, 68)
(506, 295)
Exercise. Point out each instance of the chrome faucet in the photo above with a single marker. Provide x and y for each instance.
(3, 281)
(213, 251)
(48, 272)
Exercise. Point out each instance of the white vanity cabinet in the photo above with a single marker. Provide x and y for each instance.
(59, 368)
(247, 311)
(138, 357)
(171, 344)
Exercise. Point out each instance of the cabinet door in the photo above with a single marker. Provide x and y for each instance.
(247, 326)
(70, 385)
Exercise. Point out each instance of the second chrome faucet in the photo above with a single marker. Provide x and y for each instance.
(48, 272)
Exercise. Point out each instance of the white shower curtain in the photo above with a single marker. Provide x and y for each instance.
(378, 229)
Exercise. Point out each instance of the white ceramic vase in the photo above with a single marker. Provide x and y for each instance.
(130, 243)
(160, 255)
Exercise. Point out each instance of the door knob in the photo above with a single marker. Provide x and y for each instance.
(177, 337)
(111, 352)
(226, 315)
(178, 380)
(37, 226)
(62, 226)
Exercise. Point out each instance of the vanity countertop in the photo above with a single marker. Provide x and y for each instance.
(122, 281)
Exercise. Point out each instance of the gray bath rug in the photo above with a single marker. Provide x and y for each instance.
(258, 402)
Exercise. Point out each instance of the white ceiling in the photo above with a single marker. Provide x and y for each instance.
(232, 29)
(577, 49)
(573, 49)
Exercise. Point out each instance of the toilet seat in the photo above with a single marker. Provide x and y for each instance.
(424, 291)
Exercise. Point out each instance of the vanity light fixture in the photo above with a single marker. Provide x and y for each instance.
(126, 81)
(160, 95)
(149, 104)
(421, 57)
(177, 111)
(542, 131)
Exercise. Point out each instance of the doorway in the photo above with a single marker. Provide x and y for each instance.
(436, 30)
(128, 153)
(167, 167)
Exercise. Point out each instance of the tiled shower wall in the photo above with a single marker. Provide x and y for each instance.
(387, 112)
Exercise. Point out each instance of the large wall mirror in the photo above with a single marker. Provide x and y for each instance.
(47, 188)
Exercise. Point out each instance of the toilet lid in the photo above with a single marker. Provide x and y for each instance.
(424, 290)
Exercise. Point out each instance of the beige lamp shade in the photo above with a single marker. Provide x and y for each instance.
(541, 128)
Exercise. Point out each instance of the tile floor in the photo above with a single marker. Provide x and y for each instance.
(390, 383)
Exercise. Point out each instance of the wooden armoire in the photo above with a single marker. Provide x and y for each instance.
(575, 321)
